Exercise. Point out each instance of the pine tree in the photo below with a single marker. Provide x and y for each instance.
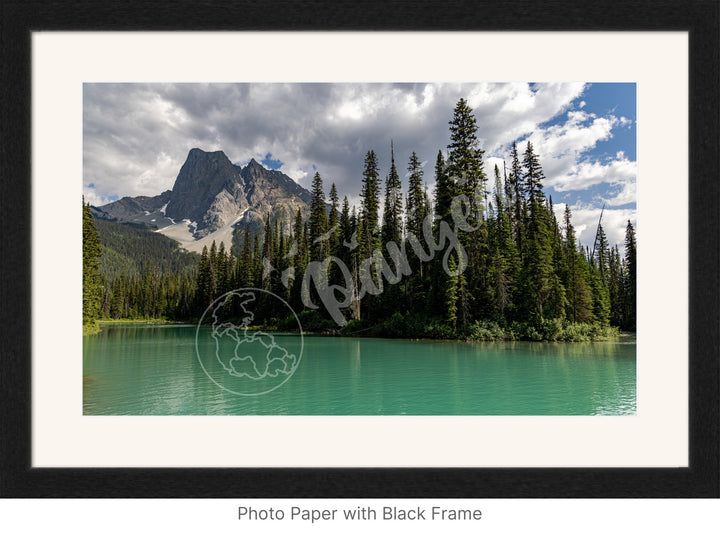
(558, 295)
(465, 163)
(346, 225)
(416, 210)
(615, 287)
(600, 296)
(451, 295)
(222, 264)
(533, 176)
(344, 236)
(466, 172)
(415, 207)
(334, 221)
(267, 255)
(630, 278)
(370, 204)
(504, 255)
(579, 298)
(283, 263)
(499, 194)
(444, 190)
(244, 276)
(300, 254)
(319, 243)
(257, 265)
(318, 220)
(515, 179)
(537, 273)
(392, 212)
(92, 280)
(602, 255)
(517, 187)
(204, 295)
(117, 300)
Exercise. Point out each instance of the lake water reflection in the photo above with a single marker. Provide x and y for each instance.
(154, 370)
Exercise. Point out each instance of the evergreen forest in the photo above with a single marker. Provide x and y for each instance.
(480, 258)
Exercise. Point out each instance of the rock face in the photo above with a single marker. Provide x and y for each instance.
(265, 187)
(211, 193)
(208, 190)
(131, 208)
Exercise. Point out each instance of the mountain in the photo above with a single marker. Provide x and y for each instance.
(210, 198)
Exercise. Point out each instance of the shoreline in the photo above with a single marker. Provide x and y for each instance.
(142, 322)
(119, 322)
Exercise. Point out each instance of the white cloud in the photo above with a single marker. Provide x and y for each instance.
(561, 146)
(137, 136)
(619, 171)
(626, 194)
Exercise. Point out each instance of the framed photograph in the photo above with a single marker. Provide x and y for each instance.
(359, 263)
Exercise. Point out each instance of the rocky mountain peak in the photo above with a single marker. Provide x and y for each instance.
(211, 193)
(207, 182)
(255, 170)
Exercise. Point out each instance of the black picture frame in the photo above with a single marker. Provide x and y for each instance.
(700, 18)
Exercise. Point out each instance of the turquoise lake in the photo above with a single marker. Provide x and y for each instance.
(155, 370)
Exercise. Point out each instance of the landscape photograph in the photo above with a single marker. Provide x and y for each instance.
(359, 249)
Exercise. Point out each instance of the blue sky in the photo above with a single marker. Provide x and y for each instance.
(137, 136)
(603, 100)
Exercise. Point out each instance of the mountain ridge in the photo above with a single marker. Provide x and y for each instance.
(212, 196)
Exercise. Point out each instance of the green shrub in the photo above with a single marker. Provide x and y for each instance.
(399, 325)
(312, 321)
(486, 331)
(439, 331)
(355, 327)
(550, 330)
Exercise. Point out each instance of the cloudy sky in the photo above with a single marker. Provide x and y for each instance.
(137, 136)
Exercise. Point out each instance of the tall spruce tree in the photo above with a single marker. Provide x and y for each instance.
(533, 175)
(392, 211)
(300, 252)
(244, 274)
(465, 162)
(504, 255)
(579, 298)
(602, 255)
(537, 272)
(334, 220)
(205, 282)
(630, 278)
(451, 295)
(318, 221)
(444, 189)
(415, 208)
(615, 287)
(466, 173)
(267, 264)
(92, 279)
(517, 187)
(370, 204)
